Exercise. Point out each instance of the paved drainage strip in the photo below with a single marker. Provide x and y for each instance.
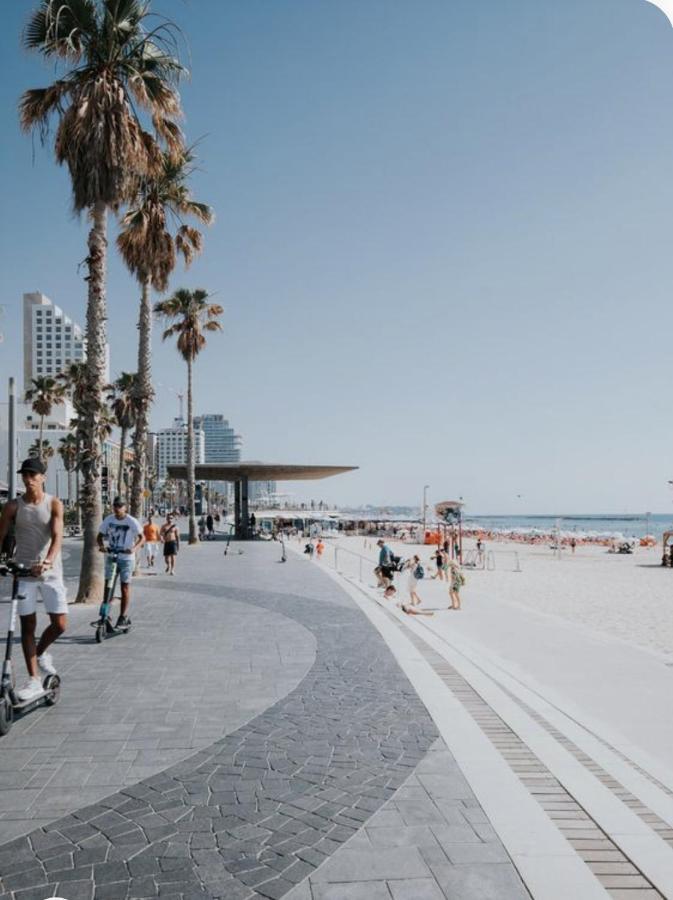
(614, 870)
(663, 828)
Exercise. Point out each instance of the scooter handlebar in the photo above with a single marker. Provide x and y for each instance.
(10, 567)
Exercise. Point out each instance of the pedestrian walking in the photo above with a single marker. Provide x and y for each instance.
(440, 559)
(385, 564)
(415, 573)
(210, 525)
(456, 581)
(171, 538)
(152, 535)
(319, 549)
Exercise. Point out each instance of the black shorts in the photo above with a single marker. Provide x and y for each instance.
(387, 572)
(170, 548)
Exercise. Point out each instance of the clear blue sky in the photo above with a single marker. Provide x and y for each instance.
(443, 243)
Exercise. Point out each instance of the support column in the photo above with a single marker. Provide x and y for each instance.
(245, 523)
(237, 509)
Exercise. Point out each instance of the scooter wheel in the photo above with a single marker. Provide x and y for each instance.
(100, 634)
(52, 686)
(6, 715)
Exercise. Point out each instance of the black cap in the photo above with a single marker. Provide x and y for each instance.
(119, 501)
(33, 465)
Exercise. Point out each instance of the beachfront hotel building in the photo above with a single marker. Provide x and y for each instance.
(171, 447)
(222, 444)
(51, 342)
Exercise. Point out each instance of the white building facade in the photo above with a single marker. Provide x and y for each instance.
(171, 447)
(51, 342)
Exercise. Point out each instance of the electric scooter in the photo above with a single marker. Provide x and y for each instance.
(51, 685)
(103, 624)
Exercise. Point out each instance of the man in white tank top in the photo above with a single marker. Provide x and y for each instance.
(38, 525)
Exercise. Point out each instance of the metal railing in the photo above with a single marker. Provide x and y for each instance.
(348, 562)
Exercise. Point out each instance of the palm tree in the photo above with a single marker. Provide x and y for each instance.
(45, 393)
(122, 400)
(112, 66)
(67, 450)
(73, 379)
(41, 449)
(150, 248)
(194, 315)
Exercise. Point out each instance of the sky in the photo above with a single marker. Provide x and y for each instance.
(443, 244)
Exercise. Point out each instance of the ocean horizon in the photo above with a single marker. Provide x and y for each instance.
(594, 524)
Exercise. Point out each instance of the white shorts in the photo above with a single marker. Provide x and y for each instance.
(52, 593)
(150, 548)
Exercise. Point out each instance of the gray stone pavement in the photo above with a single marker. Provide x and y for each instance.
(191, 671)
(255, 812)
(431, 841)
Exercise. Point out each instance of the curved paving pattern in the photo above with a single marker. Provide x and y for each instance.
(190, 672)
(256, 812)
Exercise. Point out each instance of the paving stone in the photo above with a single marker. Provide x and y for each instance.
(497, 881)
(416, 889)
(362, 865)
(363, 890)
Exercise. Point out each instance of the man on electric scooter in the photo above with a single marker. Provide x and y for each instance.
(38, 526)
(124, 535)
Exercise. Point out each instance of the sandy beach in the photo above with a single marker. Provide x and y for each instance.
(627, 597)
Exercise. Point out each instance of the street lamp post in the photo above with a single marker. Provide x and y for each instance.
(425, 508)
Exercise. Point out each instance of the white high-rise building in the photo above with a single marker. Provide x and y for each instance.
(171, 447)
(51, 341)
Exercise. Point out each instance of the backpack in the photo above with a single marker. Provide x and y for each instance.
(395, 562)
(419, 572)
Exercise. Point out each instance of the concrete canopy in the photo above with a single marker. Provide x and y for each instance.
(257, 471)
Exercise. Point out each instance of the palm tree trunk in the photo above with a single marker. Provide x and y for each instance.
(191, 476)
(39, 443)
(91, 572)
(78, 505)
(69, 488)
(120, 473)
(144, 398)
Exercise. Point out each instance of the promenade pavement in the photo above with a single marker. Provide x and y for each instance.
(574, 718)
(252, 736)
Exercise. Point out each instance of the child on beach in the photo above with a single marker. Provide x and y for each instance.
(416, 572)
(440, 559)
(456, 581)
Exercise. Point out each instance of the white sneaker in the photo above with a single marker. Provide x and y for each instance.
(31, 690)
(46, 664)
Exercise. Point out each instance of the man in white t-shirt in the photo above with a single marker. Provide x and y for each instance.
(123, 535)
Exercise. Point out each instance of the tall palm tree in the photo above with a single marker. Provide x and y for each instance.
(122, 400)
(67, 450)
(44, 394)
(153, 234)
(43, 450)
(192, 315)
(112, 66)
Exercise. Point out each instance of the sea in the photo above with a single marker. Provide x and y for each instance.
(582, 525)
